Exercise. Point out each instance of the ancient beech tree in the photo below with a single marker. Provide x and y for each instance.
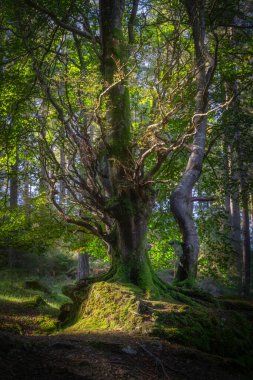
(111, 165)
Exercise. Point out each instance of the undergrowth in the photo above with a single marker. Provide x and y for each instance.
(28, 304)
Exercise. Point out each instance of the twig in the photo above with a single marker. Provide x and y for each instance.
(111, 87)
(157, 360)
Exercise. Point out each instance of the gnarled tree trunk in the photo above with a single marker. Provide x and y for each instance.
(129, 207)
(130, 262)
(181, 197)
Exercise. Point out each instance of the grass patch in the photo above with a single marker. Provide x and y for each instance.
(29, 305)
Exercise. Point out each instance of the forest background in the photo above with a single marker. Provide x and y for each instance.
(53, 98)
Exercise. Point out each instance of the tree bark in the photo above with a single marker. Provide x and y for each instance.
(129, 259)
(246, 249)
(128, 255)
(232, 203)
(181, 197)
(26, 195)
(240, 179)
(12, 254)
(130, 206)
(246, 272)
(62, 183)
(83, 270)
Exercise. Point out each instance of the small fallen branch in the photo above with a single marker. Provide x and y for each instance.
(157, 360)
(162, 365)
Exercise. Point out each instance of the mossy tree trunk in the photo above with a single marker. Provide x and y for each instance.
(129, 259)
(113, 188)
(113, 70)
(130, 206)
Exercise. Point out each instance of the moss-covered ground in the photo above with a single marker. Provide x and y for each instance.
(115, 325)
(189, 317)
(29, 305)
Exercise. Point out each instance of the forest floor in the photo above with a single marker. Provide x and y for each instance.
(107, 356)
(30, 347)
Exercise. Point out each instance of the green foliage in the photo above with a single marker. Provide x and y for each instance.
(38, 230)
(164, 238)
(217, 258)
(96, 248)
(162, 254)
(34, 229)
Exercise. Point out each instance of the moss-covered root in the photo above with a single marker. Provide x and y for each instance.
(211, 330)
(147, 280)
(198, 323)
(110, 306)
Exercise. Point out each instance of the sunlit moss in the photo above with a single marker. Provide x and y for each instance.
(209, 329)
(200, 322)
(28, 311)
(110, 306)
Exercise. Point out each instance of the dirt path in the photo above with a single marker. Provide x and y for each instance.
(107, 356)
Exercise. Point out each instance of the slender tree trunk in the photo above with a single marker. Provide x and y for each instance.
(14, 186)
(246, 249)
(240, 177)
(62, 188)
(12, 254)
(83, 270)
(251, 218)
(232, 184)
(235, 217)
(246, 272)
(27, 194)
(42, 180)
(235, 221)
(181, 197)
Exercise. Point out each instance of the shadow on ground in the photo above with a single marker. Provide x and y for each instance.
(108, 356)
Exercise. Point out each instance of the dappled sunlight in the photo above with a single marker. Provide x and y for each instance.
(12, 298)
(27, 311)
